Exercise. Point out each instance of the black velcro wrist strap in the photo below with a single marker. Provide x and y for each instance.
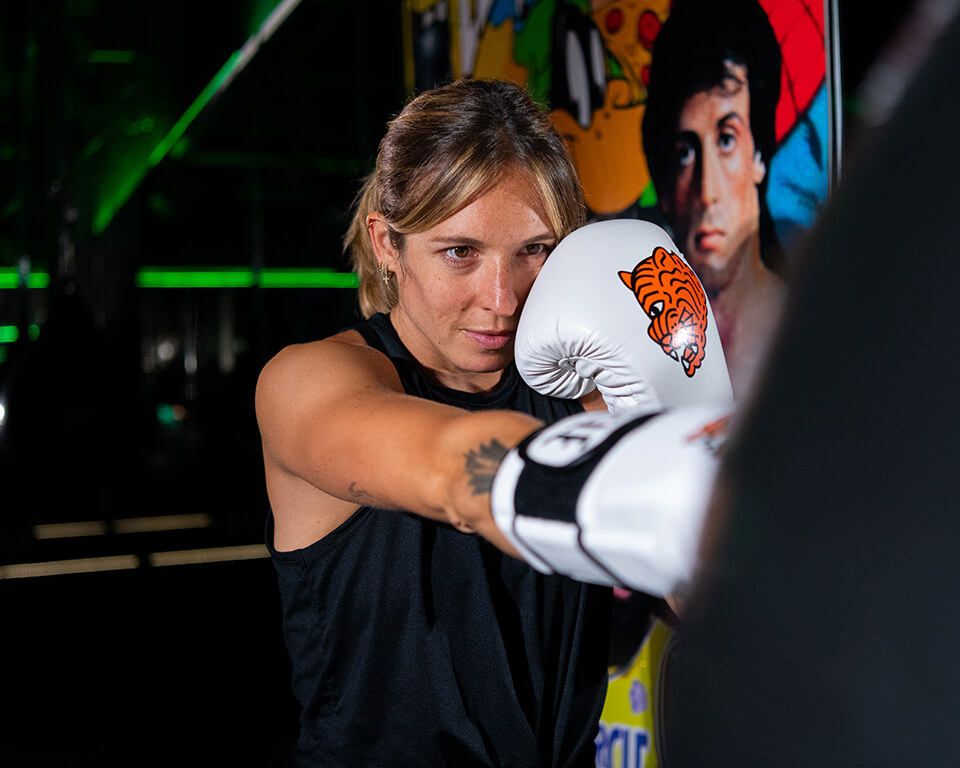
(558, 459)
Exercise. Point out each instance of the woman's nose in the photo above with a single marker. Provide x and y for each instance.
(500, 292)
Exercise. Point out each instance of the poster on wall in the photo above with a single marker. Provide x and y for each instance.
(591, 61)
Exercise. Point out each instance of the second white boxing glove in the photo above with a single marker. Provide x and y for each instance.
(618, 500)
(616, 306)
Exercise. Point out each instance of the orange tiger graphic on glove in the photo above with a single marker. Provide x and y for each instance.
(671, 295)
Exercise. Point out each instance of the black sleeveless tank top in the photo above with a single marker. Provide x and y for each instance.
(414, 644)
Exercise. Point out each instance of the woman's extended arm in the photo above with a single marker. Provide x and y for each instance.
(339, 432)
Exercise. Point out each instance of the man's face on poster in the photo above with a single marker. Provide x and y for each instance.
(714, 208)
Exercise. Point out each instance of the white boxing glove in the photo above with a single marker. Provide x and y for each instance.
(616, 306)
(609, 499)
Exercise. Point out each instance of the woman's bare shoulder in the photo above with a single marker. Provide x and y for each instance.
(308, 397)
(328, 365)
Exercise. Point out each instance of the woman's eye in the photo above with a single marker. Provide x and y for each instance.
(458, 252)
(535, 249)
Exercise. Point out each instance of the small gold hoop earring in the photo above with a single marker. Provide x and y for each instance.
(385, 273)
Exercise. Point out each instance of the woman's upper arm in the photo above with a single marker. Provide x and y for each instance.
(334, 414)
(311, 399)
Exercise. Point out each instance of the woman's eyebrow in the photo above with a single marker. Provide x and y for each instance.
(455, 240)
(475, 242)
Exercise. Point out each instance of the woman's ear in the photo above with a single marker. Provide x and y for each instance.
(759, 167)
(379, 232)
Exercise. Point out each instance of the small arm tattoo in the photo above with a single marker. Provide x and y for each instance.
(359, 495)
(482, 465)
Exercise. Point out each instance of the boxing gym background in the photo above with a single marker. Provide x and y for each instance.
(177, 179)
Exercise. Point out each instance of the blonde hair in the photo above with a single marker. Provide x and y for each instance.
(447, 147)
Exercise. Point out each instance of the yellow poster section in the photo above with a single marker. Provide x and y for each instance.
(630, 720)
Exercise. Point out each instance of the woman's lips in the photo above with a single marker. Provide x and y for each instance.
(490, 339)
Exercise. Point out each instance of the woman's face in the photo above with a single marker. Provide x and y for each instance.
(463, 283)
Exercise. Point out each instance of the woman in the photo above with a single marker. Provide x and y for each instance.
(417, 636)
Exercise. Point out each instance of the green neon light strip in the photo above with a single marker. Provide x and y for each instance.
(237, 61)
(307, 278)
(188, 278)
(11, 333)
(161, 277)
(10, 278)
(180, 127)
(229, 277)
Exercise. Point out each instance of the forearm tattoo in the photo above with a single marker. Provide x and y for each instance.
(482, 465)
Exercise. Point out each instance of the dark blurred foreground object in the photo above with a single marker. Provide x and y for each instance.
(826, 629)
